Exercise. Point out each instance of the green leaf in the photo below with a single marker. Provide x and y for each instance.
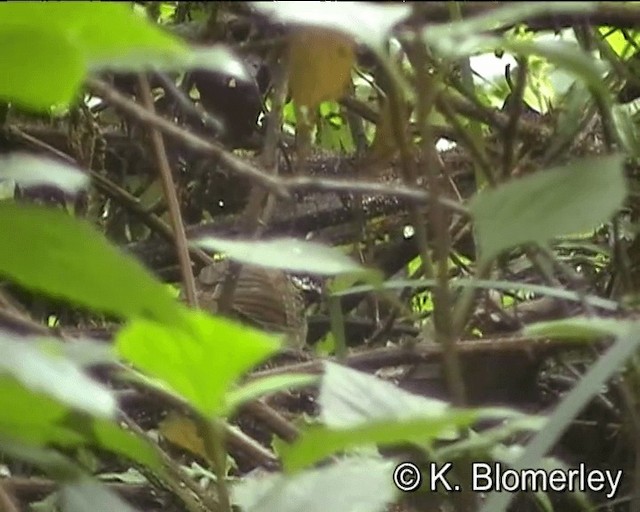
(568, 56)
(66, 258)
(284, 253)
(351, 398)
(47, 459)
(54, 376)
(351, 484)
(110, 436)
(29, 170)
(87, 494)
(108, 34)
(610, 363)
(266, 385)
(455, 37)
(35, 419)
(578, 328)
(486, 284)
(131, 43)
(507, 454)
(48, 48)
(483, 442)
(374, 23)
(200, 363)
(317, 443)
(29, 55)
(32, 418)
(358, 409)
(555, 202)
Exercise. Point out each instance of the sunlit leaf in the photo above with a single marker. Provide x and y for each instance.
(567, 56)
(547, 204)
(485, 284)
(29, 55)
(200, 363)
(129, 37)
(79, 351)
(358, 409)
(364, 22)
(49, 47)
(284, 253)
(35, 419)
(29, 170)
(352, 484)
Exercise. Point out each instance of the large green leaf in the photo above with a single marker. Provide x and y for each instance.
(107, 33)
(48, 251)
(317, 443)
(358, 409)
(555, 202)
(200, 363)
(352, 484)
(31, 417)
(39, 68)
(48, 47)
(54, 376)
(37, 417)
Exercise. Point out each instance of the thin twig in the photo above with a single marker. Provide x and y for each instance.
(169, 190)
(445, 330)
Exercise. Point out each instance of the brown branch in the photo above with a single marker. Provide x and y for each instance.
(169, 190)
(279, 186)
(118, 194)
(271, 183)
(424, 352)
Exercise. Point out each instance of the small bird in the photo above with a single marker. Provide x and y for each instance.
(263, 297)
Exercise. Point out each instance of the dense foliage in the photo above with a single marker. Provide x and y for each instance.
(440, 194)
